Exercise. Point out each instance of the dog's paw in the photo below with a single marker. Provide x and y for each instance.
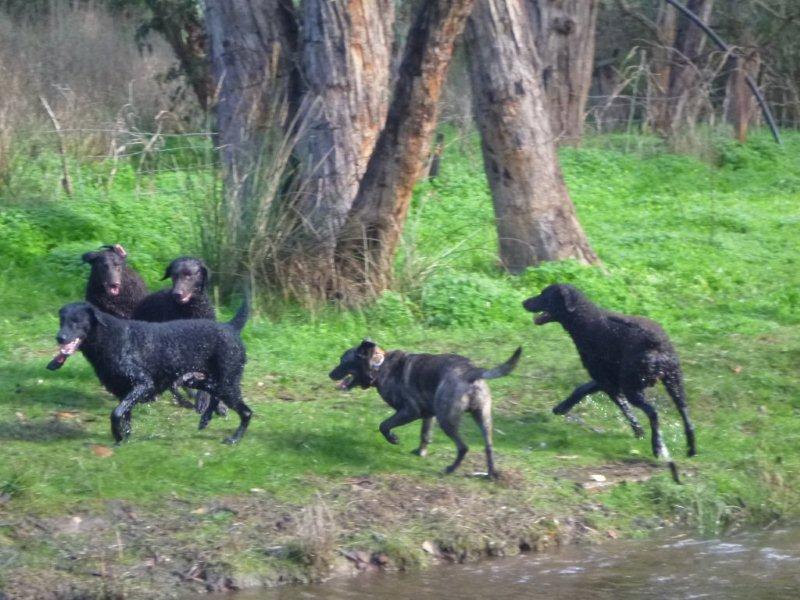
(449, 469)
(692, 452)
(638, 432)
(559, 410)
(230, 441)
(392, 439)
(422, 452)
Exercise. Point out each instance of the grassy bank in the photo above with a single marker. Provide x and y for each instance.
(711, 250)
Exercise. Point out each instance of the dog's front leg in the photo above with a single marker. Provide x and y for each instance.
(398, 419)
(425, 436)
(120, 416)
(576, 396)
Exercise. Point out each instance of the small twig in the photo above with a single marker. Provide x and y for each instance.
(66, 182)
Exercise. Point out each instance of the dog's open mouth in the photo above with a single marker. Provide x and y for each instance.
(346, 383)
(542, 318)
(64, 352)
(112, 289)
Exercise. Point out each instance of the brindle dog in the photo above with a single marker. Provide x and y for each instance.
(424, 386)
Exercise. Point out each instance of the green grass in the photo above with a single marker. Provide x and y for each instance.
(712, 251)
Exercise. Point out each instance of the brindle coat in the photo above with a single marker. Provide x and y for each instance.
(424, 386)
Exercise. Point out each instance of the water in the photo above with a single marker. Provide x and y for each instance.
(755, 565)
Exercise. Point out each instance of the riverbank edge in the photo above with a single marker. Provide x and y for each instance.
(358, 525)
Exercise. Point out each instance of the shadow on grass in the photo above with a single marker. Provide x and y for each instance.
(41, 431)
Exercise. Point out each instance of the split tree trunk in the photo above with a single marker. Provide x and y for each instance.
(346, 60)
(686, 92)
(368, 241)
(565, 38)
(661, 65)
(740, 104)
(536, 219)
(251, 47)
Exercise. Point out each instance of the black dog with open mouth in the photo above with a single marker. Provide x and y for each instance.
(113, 286)
(623, 354)
(136, 361)
(424, 386)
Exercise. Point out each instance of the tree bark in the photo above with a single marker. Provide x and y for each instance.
(740, 105)
(536, 219)
(181, 24)
(251, 46)
(565, 38)
(368, 241)
(346, 60)
(685, 92)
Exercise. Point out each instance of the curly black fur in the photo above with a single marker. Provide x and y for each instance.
(113, 286)
(136, 360)
(186, 299)
(623, 354)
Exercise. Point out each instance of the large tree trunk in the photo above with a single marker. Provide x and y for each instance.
(368, 241)
(740, 105)
(346, 58)
(251, 49)
(661, 66)
(536, 220)
(686, 93)
(565, 36)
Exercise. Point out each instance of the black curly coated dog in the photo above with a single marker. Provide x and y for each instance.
(623, 354)
(136, 360)
(186, 299)
(424, 386)
(113, 286)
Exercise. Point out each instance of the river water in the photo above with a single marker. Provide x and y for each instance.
(755, 565)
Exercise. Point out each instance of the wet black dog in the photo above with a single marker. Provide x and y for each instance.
(136, 360)
(623, 354)
(424, 386)
(186, 299)
(113, 286)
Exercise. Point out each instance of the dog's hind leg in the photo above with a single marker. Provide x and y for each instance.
(425, 436)
(673, 382)
(636, 397)
(448, 414)
(576, 396)
(483, 417)
(120, 416)
(179, 399)
(623, 405)
(232, 397)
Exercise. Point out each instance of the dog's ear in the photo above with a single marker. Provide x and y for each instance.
(89, 257)
(366, 348)
(204, 271)
(570, 297)
(168, 272)
(98, 315)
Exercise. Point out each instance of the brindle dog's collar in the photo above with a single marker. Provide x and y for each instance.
(375, 364)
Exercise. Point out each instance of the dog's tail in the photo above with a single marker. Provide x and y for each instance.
(499, 370)
(240, 318)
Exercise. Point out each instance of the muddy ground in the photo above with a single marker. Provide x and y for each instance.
(365, 523)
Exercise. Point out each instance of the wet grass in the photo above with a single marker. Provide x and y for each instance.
(712, 251)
